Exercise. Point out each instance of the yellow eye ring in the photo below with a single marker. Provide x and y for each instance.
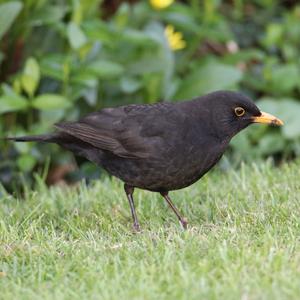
(239, 111)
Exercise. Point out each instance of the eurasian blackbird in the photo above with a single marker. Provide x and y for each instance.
(159, 147)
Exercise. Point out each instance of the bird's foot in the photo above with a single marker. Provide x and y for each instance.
(136, 227)
(184, 223)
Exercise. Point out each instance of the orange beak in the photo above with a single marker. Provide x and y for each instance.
(266, 118)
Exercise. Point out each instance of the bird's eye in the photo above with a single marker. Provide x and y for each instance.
(239, 111)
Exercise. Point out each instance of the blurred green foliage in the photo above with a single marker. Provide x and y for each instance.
(62, 59)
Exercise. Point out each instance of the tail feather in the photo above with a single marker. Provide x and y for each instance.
(34, 138)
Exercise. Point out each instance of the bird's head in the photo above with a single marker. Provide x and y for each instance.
(231, 112)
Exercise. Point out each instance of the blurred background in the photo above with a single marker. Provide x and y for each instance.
(62, 59)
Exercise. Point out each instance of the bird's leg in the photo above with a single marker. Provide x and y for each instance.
(181, 219)
(129, 192)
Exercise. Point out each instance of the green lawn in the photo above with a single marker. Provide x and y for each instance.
(77, 242)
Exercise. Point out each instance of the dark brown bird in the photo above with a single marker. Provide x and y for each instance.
(159, 147)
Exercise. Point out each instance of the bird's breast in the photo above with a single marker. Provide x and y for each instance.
(171, 169)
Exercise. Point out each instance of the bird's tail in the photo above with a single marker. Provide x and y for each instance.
(48, 138)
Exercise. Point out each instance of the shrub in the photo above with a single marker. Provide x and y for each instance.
(63, 59)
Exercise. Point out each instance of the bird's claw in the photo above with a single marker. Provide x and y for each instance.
(136, 228)
(184, 223)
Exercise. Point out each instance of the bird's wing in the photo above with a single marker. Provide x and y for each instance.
(129, 131)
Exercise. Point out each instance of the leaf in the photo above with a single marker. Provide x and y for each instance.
(48, 15)
(53, 66)
(90, 95)
(76, 36)
(247, 55)
(159, 60)
(48, 117)
(130, 85)
(153, 85)
(135, 37)
(210, 77)
(8, 13)
(241, 143)
(31, 76)
(22, 147)
(100, 31)
(146, 64)
(183, 21)
(271, 143)
(26, 162)
(288, 110)
(50, 102)
(274, 34)
(104, 69)
(84, 78)
(285, 78)
(12, 102)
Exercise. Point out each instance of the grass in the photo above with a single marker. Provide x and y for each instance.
(77, 242)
